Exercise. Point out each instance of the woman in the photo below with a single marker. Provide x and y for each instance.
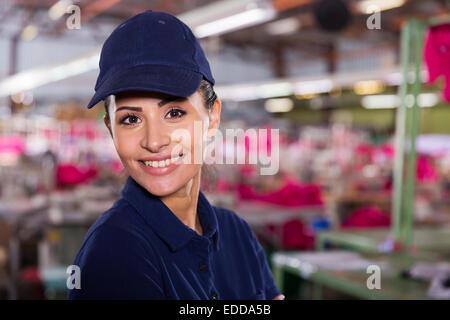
(163, 239)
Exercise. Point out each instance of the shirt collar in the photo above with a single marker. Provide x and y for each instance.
(164, 222)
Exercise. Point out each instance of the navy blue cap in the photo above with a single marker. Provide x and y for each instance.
(151, 51)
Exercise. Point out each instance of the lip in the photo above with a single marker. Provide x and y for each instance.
(158, 157)
(159, 171)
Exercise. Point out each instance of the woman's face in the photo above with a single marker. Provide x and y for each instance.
(160, 139)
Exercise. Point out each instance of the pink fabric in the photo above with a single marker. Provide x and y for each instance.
(12, 144)
(365, 148)
(247, 170)
(70, 174)
(371, 150)
(367, 217)
(251, 143)
(426, 172)
(290, 194)
(437, 55)
(31, 274)
(387, 150)
(87, 128)
(294, 235)
(222, 185)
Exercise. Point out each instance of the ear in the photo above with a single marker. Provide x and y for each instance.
(107, 124)
(214, 118)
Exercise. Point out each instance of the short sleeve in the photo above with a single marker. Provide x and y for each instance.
(270, 288)
(115, 264)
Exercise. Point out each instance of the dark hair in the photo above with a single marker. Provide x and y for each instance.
(209, 96)
(206, 89)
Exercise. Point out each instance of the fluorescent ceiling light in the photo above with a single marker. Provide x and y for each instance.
(57, 10)
(381, 101)
(307, 87)
(241, 92)
(285, 26)
(279, 105)
(227, 15)
(396, 78)
(275, 90)
(255, 91)
(33, 78)
(234, 22)
(390, 101)
(23, 97)
(218, 17)
(314, 86)
(29, 32)
(371, 6)
(425, 100)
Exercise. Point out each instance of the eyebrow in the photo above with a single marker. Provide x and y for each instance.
(160, 104)
(167, 100)
(139, 109)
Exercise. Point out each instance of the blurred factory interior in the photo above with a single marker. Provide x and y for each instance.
(347, 83)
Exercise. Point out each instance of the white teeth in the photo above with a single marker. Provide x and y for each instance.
(162, 163)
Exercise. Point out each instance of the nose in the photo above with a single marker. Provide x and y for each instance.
(155, 137)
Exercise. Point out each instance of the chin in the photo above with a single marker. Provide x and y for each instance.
(158, 188)
(164, 185)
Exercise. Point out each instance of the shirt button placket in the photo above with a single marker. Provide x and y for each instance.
(204, 265)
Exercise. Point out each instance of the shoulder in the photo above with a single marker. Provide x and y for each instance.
(228, 217)
(116, 260)
(232, 224)
(117, 231)
(122, 215)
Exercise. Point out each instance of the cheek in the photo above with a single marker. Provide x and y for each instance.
(195, 140)
(125, 145)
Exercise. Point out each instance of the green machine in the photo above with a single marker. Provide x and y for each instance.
(401, 245)
(402, 232)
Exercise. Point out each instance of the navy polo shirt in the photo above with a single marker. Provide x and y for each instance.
(138, 249)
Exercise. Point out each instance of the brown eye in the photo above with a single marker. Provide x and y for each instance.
(175, 113)
(130, 119)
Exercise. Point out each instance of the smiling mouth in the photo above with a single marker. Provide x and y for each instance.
(163, 163)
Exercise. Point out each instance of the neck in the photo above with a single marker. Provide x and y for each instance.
(183, 203)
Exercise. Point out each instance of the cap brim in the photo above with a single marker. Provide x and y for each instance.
(153, 78)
